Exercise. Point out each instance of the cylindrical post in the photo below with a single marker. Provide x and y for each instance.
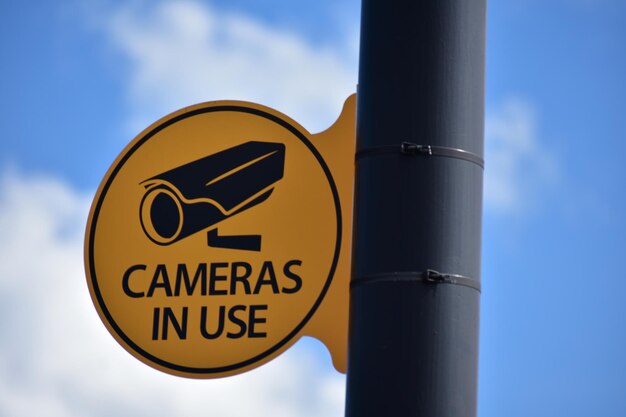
(414, 303)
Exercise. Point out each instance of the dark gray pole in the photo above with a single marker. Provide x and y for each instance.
(414, 304)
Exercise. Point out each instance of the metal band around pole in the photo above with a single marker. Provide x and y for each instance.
(409, 148)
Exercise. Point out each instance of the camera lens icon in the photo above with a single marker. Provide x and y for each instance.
(162, 215)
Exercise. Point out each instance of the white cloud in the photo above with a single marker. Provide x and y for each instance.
(186, 52)
(58, 360)
(519, 168)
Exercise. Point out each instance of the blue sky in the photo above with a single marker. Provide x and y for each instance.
(80, 79)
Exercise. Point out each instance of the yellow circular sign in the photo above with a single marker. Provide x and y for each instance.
(213, 239)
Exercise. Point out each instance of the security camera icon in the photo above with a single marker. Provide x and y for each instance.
(200, 194)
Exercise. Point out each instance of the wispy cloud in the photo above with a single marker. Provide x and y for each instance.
(57, 359)
(185, 52)
(519, 167)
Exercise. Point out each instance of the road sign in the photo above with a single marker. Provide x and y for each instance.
(221, 235)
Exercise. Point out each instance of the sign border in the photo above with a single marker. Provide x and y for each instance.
(93, 219)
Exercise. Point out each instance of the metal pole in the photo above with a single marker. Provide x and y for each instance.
(414, 304)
